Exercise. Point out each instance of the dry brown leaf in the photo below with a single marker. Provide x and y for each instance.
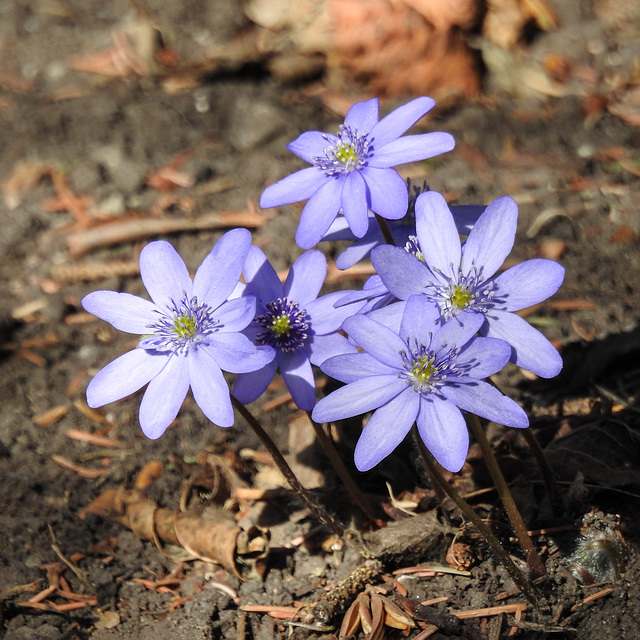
(626, 105)
(25, 176)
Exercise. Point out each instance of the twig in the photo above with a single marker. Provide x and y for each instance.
(386, 231)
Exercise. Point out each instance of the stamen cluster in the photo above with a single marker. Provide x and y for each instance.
(349, 152)
(285, 325)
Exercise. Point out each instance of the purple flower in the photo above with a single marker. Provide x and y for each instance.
(426, 373)
(352, 171)
(461, 279)
(190, 334)
(293, 324)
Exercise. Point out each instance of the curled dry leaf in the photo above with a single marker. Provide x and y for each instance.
(210, 535)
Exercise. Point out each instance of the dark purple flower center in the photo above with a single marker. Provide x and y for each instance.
(348, 153)
(183, 325)
(426, 370)
(285, 326)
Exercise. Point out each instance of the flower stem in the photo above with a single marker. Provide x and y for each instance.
(519, 528)
(518, 577)
(318, 511)
(341, 470)
(386, 231)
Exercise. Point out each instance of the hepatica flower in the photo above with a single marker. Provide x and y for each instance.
(292, 324)
(462, 279)
(352, 171)
(190, 334)
(427, 373)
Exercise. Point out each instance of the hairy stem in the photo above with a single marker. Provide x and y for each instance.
(518, 577)
(341, 470)
(386, 231)
(519, 528)
(318, 511)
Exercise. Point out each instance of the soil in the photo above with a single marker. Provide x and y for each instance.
(81, 150)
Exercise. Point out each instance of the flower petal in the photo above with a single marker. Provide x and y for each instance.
(236, 314)
(164, 273)
(401, 272)
(412, 149)
(262, 279)
(164, 397)
(363, 116)
(350, 367)
(320, 348)
(325, 316)
(297, 374)
(483, 399)
(122, 310)
(437, 234)
(491, 239)
(529, 283)
(234, 352)
(250, 386)
(420, 320)
(318, 213)
(220, 271)
(209, 388)
(397, 122)
(457, 332)
(388, 193)
(124, 376)
(531, 350)
(354, 204)
(444, 432)
(358, 397)
(386, 429)
(310, 145)
(484, 356)
(306, 277)
(294, 188)
(382, 343)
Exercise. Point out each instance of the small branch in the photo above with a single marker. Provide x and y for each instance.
(533, 559)
(318, 511)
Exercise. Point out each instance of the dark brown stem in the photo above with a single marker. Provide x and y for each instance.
(318, 511)
(518, 577)
(519, 528)
(341, 470)
(386, 232)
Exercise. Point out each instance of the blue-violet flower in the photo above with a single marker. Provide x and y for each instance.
(352, 171)
(427, 373)
(191, 332)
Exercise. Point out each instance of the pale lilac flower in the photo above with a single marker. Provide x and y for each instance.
(190, 334)
(293, 324)
(463, 278)
(426, 373)
(352, 171)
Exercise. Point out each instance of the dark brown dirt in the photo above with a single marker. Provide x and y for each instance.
(571, 165)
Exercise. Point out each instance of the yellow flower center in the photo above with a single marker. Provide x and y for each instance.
(346, 153)
(184, 326)
(423, 368)
(281, 325)
(461, 297)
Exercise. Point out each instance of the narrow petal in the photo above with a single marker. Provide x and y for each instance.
(491, 239)
(359, 250)
(294, 188)
(531, 350)
(235, 353)
(437, 234)
(164, 273)
(412, 149)
(363, 116)
(220, 271)
(457, 332)
(484, 357)
(310, 145)
(483, 399)
(388, 195)
(401, 272)
(306, 277)
(420, 320)
(164, 397)
(444, 432)
(124, 376)
(122, 310)
(354, 204)
(319, 213)
(320, 348)
(235, 315)
(325, 316)
(390, 315)
(298, 376)
(350, 367)
(358, 397)
(398, 121)
(529, 283)
(386, 429)
(209, 388)
(262, 277)
(250, 386)
(382, 343)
